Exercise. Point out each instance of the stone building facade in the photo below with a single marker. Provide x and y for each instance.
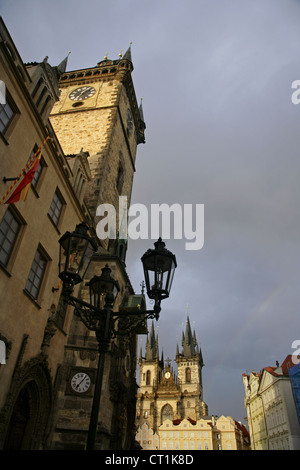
(33, 333)
(100, 104)
(89, 146)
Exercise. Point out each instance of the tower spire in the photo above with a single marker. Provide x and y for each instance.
(127, 54)
(151, 346)
(62, 67)
(141, 111)
(189, 341)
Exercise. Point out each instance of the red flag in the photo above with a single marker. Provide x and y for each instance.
(21, 191)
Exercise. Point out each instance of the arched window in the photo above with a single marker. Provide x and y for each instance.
(37, 86)
(148, 377)
(45, 105)
(77, 179)
(187, 374)
(44, 90)
(167, 413)
(120, 178)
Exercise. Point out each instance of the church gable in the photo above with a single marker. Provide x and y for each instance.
(168, 382)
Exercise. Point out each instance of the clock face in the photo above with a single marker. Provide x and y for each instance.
(167, 375)
(129, 121)
(82, 93)
(80, 382)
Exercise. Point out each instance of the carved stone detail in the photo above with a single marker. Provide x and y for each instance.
(34, 376)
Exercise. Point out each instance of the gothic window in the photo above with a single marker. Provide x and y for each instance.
(44, 91)
(120, 178)
(81, 189)
(37, 86)
(45, 105)
(148, 377)
(77, 179)
(188, 374)
(166, 413)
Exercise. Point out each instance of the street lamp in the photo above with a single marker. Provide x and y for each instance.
(159, 267)
(99, 286)
(76, 250)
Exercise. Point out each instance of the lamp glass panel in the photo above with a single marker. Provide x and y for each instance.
(75, 255)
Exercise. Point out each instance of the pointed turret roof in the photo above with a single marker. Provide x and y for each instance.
(190, 346)
(188, 340)
(152, 352)
(127, 54)
(62, 67)
(141, 111)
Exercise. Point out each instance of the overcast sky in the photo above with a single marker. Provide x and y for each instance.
(215, 78)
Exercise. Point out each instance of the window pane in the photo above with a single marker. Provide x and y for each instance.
(6, 115)
(38, 172)
(9, 229)
(36, 274)
(55, 209)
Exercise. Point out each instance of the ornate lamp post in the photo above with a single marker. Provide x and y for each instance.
(76, 250)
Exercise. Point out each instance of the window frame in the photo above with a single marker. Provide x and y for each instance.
(43, 254)
(17, 239)
(36, 181)
(5, 132)
(59, 196)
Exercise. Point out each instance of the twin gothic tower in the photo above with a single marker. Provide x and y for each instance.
(165, 395)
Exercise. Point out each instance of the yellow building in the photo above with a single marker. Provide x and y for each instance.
(255, 412)
(207, 433)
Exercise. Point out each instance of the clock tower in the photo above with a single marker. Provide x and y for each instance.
(98, 113)
(97, 119)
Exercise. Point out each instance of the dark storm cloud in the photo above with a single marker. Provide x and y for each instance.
(215, 78)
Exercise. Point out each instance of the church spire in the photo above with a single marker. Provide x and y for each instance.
(152, 346)
(62, 67)
(127, 54)
(189, 341)
(141, 111)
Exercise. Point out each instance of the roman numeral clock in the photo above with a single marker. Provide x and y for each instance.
(82, 93)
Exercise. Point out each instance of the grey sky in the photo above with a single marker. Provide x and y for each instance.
(215, 77)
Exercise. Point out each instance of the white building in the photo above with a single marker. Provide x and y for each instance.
(279, 414)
